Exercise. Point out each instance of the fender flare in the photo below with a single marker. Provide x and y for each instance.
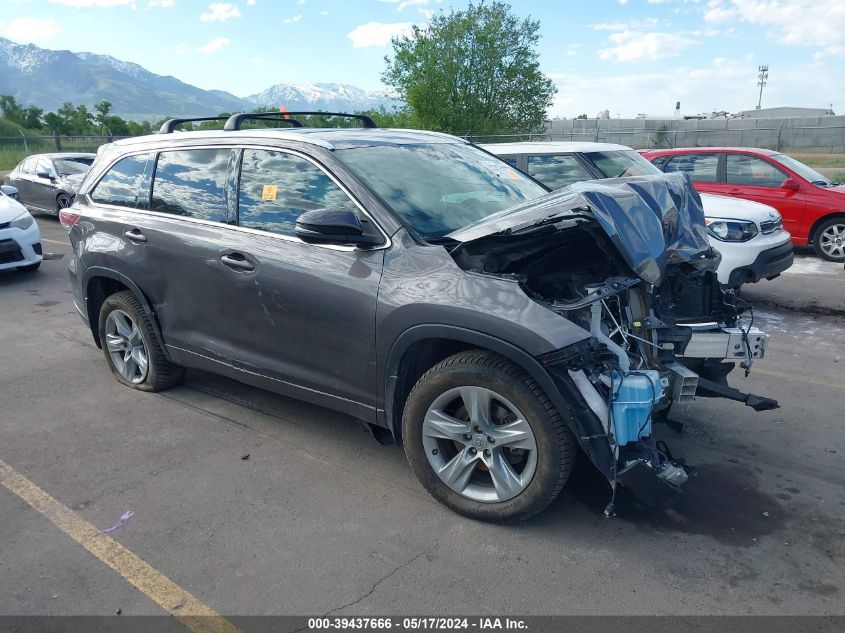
(393, 420)
(99, 271)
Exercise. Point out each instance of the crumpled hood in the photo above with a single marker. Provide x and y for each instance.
(651, 220)
(73, 180)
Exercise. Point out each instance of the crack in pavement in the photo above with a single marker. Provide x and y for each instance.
(381, 580)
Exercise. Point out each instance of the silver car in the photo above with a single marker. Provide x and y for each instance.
(49, 182)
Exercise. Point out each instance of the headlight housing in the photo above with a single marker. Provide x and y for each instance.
(731, 230)
(22, 222)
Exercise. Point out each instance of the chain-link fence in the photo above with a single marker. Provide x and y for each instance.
(13, 149)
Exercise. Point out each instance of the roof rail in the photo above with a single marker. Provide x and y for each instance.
(234, 122)
(170, 125)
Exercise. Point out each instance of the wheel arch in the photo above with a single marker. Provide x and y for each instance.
(421, 347)
(98, 284)
(811, 235)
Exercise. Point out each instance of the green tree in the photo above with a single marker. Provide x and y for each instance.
(11, 109)
(102, 108)
(32, 117)
(475, 70)
(55, 123)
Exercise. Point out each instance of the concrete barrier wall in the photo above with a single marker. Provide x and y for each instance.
(825, 135)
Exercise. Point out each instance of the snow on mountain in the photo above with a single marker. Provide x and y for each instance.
(48, 78)
(323, 96)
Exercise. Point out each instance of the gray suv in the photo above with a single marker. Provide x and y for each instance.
(417, 283)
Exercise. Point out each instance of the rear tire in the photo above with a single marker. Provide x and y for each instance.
(62, 202)
(131, 347)
(506, 469)
(829, 239)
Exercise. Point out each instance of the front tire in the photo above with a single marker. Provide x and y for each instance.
(829, 239)
(131, 347)
(483, 438)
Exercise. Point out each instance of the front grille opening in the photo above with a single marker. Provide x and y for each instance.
(771, 226)
(37, 248)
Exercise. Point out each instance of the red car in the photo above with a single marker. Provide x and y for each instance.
(813, 207)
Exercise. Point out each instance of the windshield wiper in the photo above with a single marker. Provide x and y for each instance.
(822, 183)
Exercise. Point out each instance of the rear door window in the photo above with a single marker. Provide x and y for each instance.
(192, 183)
(28, 166)
(277, 187)
(746, 170)
(123, 184)
(700, 167)
(557, 170)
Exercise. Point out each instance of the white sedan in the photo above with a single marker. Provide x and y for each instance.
(750, 236)
(20, 238)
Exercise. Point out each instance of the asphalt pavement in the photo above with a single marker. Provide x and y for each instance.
(257, 504)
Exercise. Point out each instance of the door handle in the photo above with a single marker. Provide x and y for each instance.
(135, 235)
(236, 261)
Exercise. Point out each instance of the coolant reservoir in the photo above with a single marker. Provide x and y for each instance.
(636, 395)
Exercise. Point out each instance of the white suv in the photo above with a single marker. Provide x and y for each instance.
(749, 235)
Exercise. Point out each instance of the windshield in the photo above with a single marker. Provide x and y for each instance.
(807, 173)
(437, 188)
(622, 164)
(68, 166)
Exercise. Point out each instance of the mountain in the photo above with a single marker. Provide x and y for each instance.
(48, 78)
(323, 96)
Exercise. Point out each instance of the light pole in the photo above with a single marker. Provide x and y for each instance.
(762, 76)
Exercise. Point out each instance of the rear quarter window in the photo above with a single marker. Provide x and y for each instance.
(700, 167)
(557, 170)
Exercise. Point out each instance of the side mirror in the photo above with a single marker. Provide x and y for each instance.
(44, 174)
(333, 226)
(790, 185)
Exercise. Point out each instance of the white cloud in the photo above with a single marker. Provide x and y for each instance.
(572, 49)
(622, 2)
(31, 29)
(87, 4)
(164, 4)
(293, 19)
(725, 84)
(214, 45)
(634, 25)
(220, 12)
(377, 33)
(250, 2)
(807, 22)
(324, 12)
(632, 46)
(404, 4)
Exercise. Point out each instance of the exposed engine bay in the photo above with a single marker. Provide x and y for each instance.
(629, 262)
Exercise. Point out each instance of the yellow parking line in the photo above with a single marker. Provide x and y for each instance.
(800, 378)
(44, 239)
(186, 607)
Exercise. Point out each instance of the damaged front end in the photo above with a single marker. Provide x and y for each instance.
(629, 262)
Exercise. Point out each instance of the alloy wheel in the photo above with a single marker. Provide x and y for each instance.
(126, 347)
(479, 444)
(832, 241)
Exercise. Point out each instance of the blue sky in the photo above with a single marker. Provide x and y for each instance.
(627, 56)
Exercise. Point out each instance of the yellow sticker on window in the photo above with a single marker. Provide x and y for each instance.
(269, 192)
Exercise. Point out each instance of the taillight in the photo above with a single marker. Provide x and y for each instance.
(68, 218)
